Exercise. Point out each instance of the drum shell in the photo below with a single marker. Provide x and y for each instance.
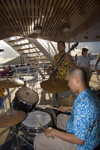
(30, 132)
(21, 105)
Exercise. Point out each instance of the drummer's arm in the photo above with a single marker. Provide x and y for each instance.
(69, 137)
(65, 109)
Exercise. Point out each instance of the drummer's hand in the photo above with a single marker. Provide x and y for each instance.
(64, 108)
(49, 132)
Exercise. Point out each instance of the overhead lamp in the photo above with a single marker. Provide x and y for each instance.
(97, 37)
(66, 29)
(85, 37)
(37, 29)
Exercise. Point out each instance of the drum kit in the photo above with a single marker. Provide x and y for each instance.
(23, 115)
(20, 116)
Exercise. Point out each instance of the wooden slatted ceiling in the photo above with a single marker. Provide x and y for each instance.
(19, 17)
(30, 53)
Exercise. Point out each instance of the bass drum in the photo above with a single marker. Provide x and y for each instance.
(30, 126)
(25, 99)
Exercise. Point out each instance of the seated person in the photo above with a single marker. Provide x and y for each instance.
(82, 126)
(10, 71)
(4, 72)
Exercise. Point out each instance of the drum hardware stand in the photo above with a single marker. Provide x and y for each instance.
(25, 140)
(15, 144)
(9, 97)
(55, 99)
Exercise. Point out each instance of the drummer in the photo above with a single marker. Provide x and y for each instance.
(63, 69)
(82, 128)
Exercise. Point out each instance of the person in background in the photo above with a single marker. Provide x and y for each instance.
(80, 130)
(4, 72)
(98, 59)
(76, 58)
(84, 62)
(10, 71)
(65, 65)
(1, 99)
(63, 69)
(97, 70)
(89, 55)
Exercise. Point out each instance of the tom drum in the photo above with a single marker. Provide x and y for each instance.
(25, 99)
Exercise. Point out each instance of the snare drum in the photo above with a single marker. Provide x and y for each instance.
(31, 128)
(25, 99)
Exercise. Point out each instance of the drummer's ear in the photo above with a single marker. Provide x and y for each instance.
(76, 80)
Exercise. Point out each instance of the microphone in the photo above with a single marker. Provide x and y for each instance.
(1, 50)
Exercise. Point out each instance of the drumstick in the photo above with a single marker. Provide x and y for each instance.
(40, 125)
(57, 108)
(43, 127)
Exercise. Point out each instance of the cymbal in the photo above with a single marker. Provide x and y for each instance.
(55, 85)
(11, 118)
(66, 101)
(10, 83)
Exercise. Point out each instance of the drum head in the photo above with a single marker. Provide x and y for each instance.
(28, 95)
(66, 101)
(32, 118)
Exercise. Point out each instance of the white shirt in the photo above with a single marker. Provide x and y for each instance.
(84, 62)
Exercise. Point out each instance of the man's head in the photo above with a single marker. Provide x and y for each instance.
(77, 79)
(61, 46)
(84, 51)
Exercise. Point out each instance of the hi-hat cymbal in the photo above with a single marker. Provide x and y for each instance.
(11, 83)
(11, 118)
(66, 101)
(55, 85)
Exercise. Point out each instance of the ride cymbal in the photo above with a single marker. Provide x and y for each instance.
(11, 83)
(11, 118)
(55, 85)
(66, 101)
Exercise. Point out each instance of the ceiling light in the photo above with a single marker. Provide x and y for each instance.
(37, 29)
(66, 29)
(85, 37)
(97, 37)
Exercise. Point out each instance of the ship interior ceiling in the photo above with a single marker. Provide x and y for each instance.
(50, 20)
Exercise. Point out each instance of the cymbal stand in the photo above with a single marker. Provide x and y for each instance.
(9, 97)
(15, 144)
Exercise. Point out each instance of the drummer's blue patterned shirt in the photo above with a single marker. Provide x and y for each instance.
(84, 121)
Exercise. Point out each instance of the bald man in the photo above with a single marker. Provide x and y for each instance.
(82, 129)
